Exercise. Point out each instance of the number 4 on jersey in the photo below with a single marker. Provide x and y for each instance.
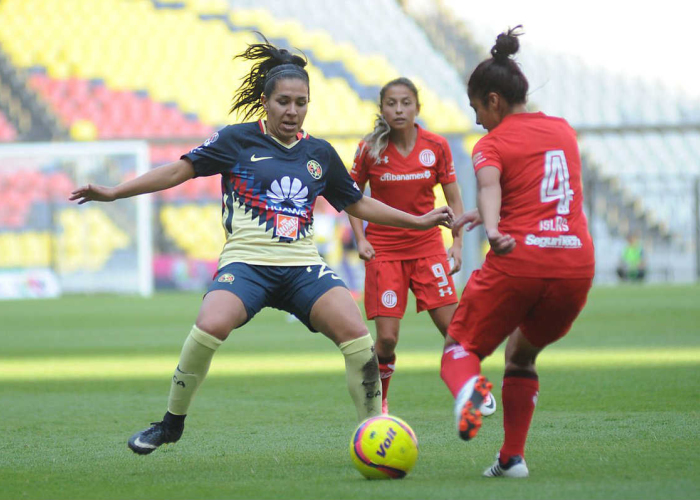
(555, 183)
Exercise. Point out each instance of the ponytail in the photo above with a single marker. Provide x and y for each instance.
(378, 139)
(274, 63)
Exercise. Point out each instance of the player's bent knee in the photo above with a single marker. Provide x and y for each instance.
(449, 340)
(520, 366)
(348, 331)
(388, 342)
(214, 328)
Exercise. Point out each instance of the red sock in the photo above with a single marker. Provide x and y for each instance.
(519, 397)
(457, 367)
(386, 370)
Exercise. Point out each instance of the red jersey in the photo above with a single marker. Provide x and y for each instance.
(406, 183)
(542, 200)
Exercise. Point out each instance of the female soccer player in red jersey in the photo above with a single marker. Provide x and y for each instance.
(271, 174)
(402, 163)
(536, 277)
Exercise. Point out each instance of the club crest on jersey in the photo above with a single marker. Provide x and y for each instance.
(286, 226)
(226, 278)
(212, 139)
(427, 158)
(314, 169)
(389, 299)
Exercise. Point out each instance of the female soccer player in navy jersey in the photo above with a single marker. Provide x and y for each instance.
(271, 174)
(535, 280)
(403, 162)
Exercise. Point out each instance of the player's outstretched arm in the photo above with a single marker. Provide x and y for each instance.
(364, 248)
(158, 179)
(488, 198)
(375, 211)
(454, 201)
(469, 220)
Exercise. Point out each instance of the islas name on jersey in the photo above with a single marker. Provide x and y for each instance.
(558, 224)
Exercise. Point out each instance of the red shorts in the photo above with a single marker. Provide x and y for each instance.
(493, 305)
(387, 284)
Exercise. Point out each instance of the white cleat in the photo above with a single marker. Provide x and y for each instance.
(468, 404)
(488, 407)
(516, 467)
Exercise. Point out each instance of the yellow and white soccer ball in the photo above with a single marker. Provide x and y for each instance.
(384, 447)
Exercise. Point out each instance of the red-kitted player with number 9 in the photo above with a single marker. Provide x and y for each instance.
(535, 280)
(403, 162)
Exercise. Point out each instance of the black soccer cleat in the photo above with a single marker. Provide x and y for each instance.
(159, 433)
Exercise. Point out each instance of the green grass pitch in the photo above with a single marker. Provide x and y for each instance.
(617, 416)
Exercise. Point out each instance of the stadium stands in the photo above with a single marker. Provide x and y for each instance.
(639, 140)
(115, 114)
(8, 133)
(162, 71)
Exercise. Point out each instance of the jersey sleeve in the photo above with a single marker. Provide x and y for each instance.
(446, 168)
(360, 169)
(485, 154)
(215, 155)
(341, 189)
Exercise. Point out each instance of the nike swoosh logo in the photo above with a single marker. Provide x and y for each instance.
(254, 158)
(141, 444)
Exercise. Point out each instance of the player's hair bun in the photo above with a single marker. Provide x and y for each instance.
(283, 56)
(507, 44)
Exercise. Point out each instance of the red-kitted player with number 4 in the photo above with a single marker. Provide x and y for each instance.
(535, 280)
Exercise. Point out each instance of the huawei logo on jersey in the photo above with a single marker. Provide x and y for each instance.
(286, 189)
(405, 177)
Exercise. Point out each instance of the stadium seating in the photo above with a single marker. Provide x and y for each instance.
(8, 133)
(115, 114)
(163, 71)
(372, 53)
(148, 60)
(204, 238)
(662, 184)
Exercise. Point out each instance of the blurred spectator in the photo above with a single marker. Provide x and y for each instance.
(632, 265)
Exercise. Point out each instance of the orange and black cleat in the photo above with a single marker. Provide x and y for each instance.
(467, 414)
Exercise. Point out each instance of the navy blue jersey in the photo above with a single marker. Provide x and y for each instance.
(269, 191)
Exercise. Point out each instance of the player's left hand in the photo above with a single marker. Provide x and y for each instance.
(469, 219)
(92, 192)
(501, 244)
(442, 216)
(454, 256)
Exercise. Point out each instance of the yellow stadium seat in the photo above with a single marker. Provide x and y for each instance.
(132, 45)
(209, 6)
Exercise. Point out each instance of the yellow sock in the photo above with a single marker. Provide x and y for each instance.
(362, 371)
(195, 359)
